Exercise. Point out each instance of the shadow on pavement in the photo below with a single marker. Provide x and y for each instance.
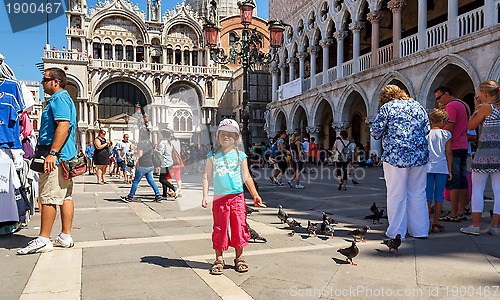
(13, 241)
(173, 262)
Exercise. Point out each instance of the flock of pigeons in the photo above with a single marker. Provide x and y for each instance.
(326, 228)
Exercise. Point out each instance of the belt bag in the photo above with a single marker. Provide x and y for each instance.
(41, 152)
(74, 167)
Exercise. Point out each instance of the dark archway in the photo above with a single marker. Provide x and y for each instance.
(324, 119)
(120, 97)
(458, 80)
(281, 122)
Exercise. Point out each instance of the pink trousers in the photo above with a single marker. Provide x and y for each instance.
(229, 210)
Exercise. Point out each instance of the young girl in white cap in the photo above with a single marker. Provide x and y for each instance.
(228, 168)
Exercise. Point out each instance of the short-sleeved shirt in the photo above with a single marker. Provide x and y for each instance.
(9, 125)
(89, 151)
(165, 148)
(146, 160)
(227, 171)
(403, 126)
(458, 113)
(59, 107)
(123, 147)
(437, 151)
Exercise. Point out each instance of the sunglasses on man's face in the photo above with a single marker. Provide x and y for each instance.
(47, 79)
(439, 97)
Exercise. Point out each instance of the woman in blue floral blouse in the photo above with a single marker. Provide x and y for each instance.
(402, 123)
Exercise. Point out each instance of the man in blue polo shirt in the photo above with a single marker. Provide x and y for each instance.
(57, 129)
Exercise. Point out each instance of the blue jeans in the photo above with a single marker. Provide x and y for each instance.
(435, 186)
(139, 173)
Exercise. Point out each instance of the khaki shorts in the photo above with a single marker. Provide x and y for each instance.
(54, 189)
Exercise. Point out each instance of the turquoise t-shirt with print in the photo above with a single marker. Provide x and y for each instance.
(227, 172)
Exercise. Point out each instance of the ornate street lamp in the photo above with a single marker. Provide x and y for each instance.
(247, 51)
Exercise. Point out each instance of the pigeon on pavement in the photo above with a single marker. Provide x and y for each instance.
(376, 216)
(355, 182)
(292, 223)
(359, 233)
(329, 220)
(350, 252)
(374, 208)
(255, 236)
(393, 243)
(282, 215)
(327, 228)
(251, 210)
(311, 228)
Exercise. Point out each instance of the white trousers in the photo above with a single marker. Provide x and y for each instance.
(478, 186)
(406, 201)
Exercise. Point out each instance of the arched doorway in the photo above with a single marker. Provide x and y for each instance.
(355, 113)
(118, 98)
(280, 122)
(300, 121)
(458, 80)
(324, 117)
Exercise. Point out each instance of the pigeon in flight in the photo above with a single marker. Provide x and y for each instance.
(329, 220)
(376, 216)
(255, 236)
(393, 243)
(359, 233)
(282, 215)
(350, 252)
(251, 210)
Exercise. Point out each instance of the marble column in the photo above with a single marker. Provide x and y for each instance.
(489, 13)
(164, 56)
(325, 44)
(83, 143)
(313, 51)
(80, 111)
(86, 113)
(340, 36)
(282, 67)
(275, 79)
(84, 45)
(422, 25)
(396, 6)
(375, 17)
(355, 27)
(452, 19)
(291, 67)
(302, 59)
(135, 54)
(91, 114)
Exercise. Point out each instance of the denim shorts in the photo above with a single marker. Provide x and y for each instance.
(458, 170)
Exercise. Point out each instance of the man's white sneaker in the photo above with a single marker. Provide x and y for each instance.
(67, 243)
(471, 229)
(493, 231)
(299, 186)
(35, 246)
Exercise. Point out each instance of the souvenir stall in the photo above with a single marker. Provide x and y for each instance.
(16, 179)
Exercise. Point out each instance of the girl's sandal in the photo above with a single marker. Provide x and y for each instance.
(217, 267)
(240, 265)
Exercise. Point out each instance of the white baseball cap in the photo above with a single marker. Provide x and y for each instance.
(229, 125)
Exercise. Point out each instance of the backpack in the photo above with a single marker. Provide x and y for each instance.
(157, 158)
(344, 154)
(273, 150)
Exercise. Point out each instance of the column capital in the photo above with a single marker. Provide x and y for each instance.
(312, 129)
(325, 43)
(340, 35)
(356, 26)
(282, 65)
(396, 5)
(302, 55)
(274, 70)
(313, 50)
(339, 126)
(291, 60)
(375, 16)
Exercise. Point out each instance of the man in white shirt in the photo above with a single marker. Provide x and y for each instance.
(123, 147)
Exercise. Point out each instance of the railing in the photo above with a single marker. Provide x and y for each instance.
(408, 45)
(365, 61)
(130, 65)
(319, 79)
(385, 54)
(437, 35)
(65, 55)
(74, 31)
(332, 74)
(470, 22)
(307, 84)
(347, 68)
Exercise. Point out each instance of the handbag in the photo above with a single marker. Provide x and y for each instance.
(74, 167)
(176, 158)
(41, 152)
